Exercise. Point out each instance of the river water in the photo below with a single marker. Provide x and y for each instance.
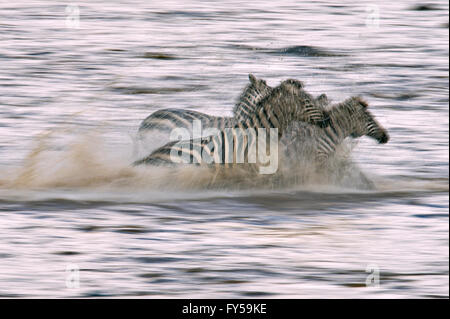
(77, 220)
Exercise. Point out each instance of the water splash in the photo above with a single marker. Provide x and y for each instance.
(83, 162)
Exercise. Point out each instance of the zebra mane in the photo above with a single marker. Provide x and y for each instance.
(253, 93)
(251, 99)
(296, 83)
(285, 87)
(351, 104)
(274, 94)
(346, 112)
(343, 112)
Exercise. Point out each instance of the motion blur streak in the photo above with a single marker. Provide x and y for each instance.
(76, 81)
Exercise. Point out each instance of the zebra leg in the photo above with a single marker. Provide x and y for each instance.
(213, 180)
(350, 175)
(365, 182)
(343, 172)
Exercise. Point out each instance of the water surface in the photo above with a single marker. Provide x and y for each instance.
(72, 95)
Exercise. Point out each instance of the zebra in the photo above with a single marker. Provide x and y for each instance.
(162, 122)
(350, 118)
(286, 103)
(253, 93)
(166, 120)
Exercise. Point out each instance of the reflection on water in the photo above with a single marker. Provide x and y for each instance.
(72, 99)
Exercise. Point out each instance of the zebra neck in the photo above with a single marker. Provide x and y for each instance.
(279, 112)
(341, 123)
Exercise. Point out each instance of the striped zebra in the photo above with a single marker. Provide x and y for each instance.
(285, 104)
(166, 120)
(350, 118)
(155, 130)
(304, 145)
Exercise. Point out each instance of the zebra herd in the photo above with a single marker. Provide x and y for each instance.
(287, 112)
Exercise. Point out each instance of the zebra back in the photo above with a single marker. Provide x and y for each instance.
(166, 120)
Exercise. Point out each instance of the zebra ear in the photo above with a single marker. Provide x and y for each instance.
(357, 100)
(323, 99)
(252, 78)
(297, 83)
(363, 103)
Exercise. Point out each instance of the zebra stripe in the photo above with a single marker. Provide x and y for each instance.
(253, 93)
(286, 103)
(349, 118)
(168, 119)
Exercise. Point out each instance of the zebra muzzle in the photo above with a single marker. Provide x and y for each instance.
(383, 139)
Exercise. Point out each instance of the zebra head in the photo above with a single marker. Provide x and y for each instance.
(323, 100)
(300, 105)
(362, 122)
(253, 93)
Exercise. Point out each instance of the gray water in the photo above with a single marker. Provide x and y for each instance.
(72, 95)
